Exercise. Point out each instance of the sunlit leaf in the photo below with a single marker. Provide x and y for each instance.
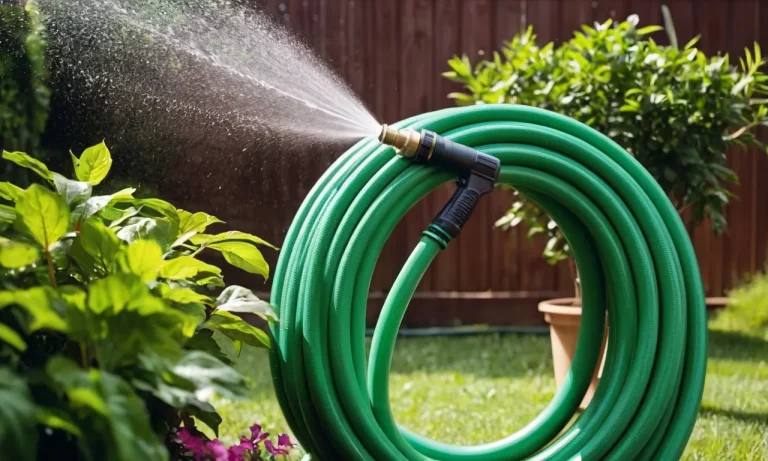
(237, 329)
(231, 236)
(156, 229)
(99, 241)
(14, 255)
(195, 222)
(142, 258)
(42, 215)
(26, 161)
(93, 165)
(243, 255)
(186, 267)
(10, 191)
(9, 336)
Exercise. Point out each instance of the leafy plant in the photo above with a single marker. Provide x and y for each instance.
(112, 330)
(24, 92)
(676, 110)
(747, 309)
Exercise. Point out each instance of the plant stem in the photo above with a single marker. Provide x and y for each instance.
(50, 269)
(83, 355)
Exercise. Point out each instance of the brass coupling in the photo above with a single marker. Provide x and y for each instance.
(405, 141)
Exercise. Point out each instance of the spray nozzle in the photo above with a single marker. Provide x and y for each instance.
(477, 172)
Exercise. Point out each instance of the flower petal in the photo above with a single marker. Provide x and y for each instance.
(273, 449)
(217, 450)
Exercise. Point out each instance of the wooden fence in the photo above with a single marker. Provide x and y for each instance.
(392, 53)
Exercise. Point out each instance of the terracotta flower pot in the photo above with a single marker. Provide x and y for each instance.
(564, 319)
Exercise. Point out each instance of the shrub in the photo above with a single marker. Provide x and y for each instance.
(676, 110)
(24, 94)
(112, 333)
(747, 309)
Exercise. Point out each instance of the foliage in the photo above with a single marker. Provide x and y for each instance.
(676, 110)
(112, 331)
(24, 94)
(747, 309)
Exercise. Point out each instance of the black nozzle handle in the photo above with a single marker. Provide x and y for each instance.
(459, 208)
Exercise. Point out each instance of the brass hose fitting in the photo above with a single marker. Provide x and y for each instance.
(405, 141)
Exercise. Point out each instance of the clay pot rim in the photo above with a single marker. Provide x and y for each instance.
(560, 306)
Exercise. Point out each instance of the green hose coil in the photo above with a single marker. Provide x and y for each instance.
(634, 257)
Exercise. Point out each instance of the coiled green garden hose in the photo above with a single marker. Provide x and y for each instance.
(634, 257)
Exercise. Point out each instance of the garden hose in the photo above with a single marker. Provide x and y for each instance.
(636, 264)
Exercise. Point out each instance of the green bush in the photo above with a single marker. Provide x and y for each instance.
(112, 331)
(747, 309)
(24, 94)
(676, 110)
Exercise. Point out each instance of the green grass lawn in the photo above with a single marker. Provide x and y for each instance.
(469, 390)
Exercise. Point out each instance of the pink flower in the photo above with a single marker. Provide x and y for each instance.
(283, 445)
(237, 452)
(217, 450)
(193, 443)
(256, 435)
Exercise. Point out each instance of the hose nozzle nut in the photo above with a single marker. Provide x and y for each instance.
(405, 141)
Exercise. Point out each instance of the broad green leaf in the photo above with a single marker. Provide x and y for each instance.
(237, 329)
(114, 292)
(141, 258)
(40, 303)
(14, 255)
(114, 410)
(9, 336)
(7, 214)
(231, 236)
(60, 251)
(18, 431)
(74, 192)
(185, 268)
(99, 241)
(95, 204)
(42, 215)
(158, 378)
(243, 255)
(182, 295)
(194, 317)
(204, 340)
(25, 161)
(195, 222)
(147, 324)
(205, 412)
(211, 281)
(120, 216)
(238, 299)
(156, 208)
(158, 230)
(56, 418)
(10, 191)
(211, 376)
(93, 165)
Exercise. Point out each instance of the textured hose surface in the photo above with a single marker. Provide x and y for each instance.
(634, 256)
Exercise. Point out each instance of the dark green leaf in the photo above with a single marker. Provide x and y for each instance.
(56, 418)
(18, 434)
(114, 292)
(118, 414)
(237, 329)
(93, 166)
(211, 376)
(42, 215)
(25, 161)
